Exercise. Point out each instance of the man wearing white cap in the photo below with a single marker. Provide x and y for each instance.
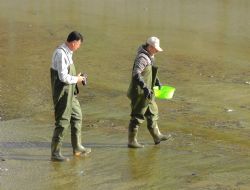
(141, 94)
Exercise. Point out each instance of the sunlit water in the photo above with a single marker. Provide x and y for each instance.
(206, 57)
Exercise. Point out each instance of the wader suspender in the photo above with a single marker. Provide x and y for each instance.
(145, 56)
(77, 90)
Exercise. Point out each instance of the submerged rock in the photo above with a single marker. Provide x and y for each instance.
(228, 110)
(3, 169)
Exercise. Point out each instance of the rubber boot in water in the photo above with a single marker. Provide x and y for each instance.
(132, 138)
(56, 155)
(78, 149)
(156, 134)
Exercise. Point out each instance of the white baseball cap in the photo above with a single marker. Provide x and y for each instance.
(155, 42)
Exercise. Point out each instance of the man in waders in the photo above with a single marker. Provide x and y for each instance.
(140, 92)
(64, 91)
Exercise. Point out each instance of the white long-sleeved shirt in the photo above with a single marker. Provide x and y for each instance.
(61, 60)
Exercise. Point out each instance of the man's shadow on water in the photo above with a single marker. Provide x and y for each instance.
(41, 150)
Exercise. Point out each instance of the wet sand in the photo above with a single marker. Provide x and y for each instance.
(189, 161)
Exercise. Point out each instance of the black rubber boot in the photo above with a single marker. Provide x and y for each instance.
(56, 155)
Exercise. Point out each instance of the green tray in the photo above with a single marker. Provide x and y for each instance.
(166, 92)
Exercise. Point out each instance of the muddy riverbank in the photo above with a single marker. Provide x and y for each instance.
(189, 161)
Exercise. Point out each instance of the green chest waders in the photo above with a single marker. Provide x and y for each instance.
(139, 105)
(67, 113)
(142, 107)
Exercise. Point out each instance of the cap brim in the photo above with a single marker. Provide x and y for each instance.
(159, 48)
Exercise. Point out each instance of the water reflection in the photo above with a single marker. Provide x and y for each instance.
(143, 165)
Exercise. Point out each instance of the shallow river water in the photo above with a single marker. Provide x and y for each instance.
(206, 58)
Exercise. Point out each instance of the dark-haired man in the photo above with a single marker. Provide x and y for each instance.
(143, 105)
(68, 112)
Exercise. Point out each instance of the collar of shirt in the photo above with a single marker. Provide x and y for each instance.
(64, 46)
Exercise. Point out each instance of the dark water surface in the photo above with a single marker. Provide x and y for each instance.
(206, 57)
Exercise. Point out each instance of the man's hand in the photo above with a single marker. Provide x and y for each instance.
(80, 78)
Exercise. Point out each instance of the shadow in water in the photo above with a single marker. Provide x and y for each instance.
(39, 151)
(24, 157)
(27, 144)
(30, 144)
